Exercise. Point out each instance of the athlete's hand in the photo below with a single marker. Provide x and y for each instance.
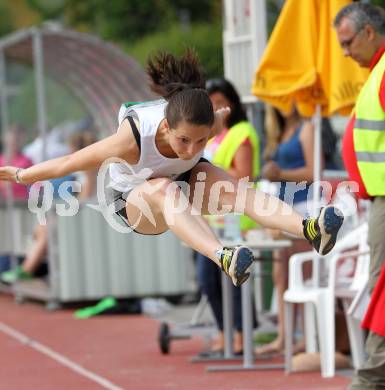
(8, 173)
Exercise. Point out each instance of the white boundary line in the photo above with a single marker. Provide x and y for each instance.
(23, 339)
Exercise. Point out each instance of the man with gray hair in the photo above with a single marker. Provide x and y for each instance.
(360, 30)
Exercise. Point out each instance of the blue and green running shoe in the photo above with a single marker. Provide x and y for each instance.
(235, 262)
(322, 232)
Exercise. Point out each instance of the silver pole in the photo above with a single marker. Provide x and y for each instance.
(4, 127)
(247, 324)
(317, 180)
(228, 310)
(317, 156)
(38, 61)
(40, 90)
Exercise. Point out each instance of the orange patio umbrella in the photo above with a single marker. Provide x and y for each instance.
(304, 64)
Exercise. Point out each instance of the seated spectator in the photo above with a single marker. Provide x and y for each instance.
(39, 249)
(12, 153)
(289, 160)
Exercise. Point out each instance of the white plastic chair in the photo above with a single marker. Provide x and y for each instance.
(322, 299)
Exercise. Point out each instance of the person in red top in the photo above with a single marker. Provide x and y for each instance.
(15, 158)
(360, 30)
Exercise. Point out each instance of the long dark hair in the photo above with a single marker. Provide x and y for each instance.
(181, 82)
(224, 86)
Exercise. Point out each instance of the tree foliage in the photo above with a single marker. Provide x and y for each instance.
(141, 26)
(127, 20)
(381, 3)
(5, 19)
(176, 39)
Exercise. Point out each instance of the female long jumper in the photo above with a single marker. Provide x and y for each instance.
(165, 139)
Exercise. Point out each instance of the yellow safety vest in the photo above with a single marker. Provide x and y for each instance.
(369, 132)
(227, 149)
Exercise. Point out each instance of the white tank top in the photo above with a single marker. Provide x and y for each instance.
(151, 164)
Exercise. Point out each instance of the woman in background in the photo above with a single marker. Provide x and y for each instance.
(289, 157)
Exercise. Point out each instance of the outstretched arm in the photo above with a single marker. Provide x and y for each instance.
(121, 145)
